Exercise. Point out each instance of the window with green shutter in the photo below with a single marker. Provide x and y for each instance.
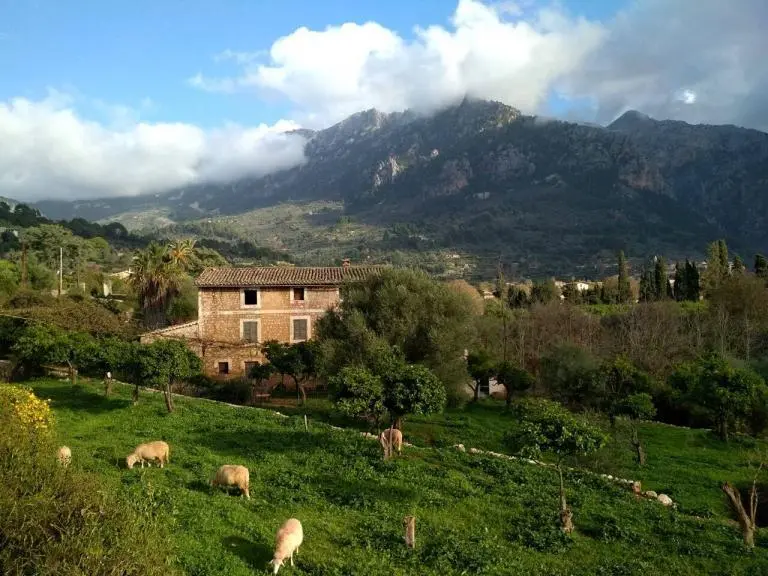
(251, 331)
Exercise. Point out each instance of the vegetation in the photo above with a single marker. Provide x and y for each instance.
(475, 514)
(56, 520)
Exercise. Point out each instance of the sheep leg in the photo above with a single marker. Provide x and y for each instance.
(291, 558)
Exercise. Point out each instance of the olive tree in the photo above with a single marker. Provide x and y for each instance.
(548, 427)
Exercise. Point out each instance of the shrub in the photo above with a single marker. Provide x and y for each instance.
(56, 520)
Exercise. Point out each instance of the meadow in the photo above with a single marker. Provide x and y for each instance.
(475, 514)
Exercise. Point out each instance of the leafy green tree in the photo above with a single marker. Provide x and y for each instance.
(514, 379)
(544, 292)
(620, 379)
(548, 427)
(481, 368)
(517, 297)
(738, 265)
(726, 393)
(358, 393)
(401, 390)
(10, 277)
(761, 266)
(572, 375)
(661, 290)
(40, 344)
(637, 407)
(297, 361)
(624, 288)
(718, 268)
(164, 363)
(426, 321)
(156, 276)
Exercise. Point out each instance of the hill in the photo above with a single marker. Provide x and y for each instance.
(480, 177)
(475, 514)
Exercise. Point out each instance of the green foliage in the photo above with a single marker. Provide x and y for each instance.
(514, 379)
(481, 368)
(426, 321)
(165, 362)
(726, 394)
(56, 520)
(548, 427)
(761, 266)
(545, 291)
(358, 393)
(637, 406)
(10, 277)
(624, 289)
(571, 374)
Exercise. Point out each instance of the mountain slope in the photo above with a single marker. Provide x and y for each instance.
(548, 196)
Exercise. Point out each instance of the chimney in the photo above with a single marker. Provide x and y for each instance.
(345, 263)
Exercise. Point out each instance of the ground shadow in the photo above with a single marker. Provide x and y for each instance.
(256, 554)
(277, 441)
(199, 486)
(79, 398)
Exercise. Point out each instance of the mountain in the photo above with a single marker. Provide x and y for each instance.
(546, 196)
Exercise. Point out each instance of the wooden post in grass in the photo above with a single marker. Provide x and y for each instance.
(306, 424)
(409, 522)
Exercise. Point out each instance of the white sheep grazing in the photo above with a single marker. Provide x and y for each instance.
(233, 475)
(397, 439)
(64, 455)
(289, 538)
(148, 452)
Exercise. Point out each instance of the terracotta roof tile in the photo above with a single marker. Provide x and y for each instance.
(282, 276)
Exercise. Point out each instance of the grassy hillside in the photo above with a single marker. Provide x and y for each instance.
(475, 515)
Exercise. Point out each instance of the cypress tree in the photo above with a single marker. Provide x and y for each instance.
(660, 280)
(761, 266)
(681, 281)
(738, 265)
(693, 284)
(624, 287)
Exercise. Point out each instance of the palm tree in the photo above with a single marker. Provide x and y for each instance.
(155, 276)
(182, 252)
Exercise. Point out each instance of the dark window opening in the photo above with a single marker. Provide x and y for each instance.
(223, 367)
(298, 294)
(251, 297)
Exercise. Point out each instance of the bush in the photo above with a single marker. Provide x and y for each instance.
(56, 520)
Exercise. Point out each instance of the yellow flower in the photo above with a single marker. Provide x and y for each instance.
(29, 410)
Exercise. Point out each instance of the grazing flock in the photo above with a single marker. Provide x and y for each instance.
(291, 534)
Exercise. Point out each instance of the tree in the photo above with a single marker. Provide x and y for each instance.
(545, 291)
(547, 427)
(164, 363)
(681, 282)
(402, 389)
(358, 393)
(738, 265)
(624, 288)
(761, 266)
(661, 290)
(747, 520)
(692, 282)
(725, 393)
(517, 297)
(425, 320)
(10, 277)
(637, 407)
(156, 275)
(298, 361)
(40, 344)
(717, 265)
(258, 374)
(514, 379)
(481, 368)
(571, 374)
(739, 309)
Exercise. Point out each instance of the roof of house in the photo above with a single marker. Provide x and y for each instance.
(283, 276)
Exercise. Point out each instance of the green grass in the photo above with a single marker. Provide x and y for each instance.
(475, 515)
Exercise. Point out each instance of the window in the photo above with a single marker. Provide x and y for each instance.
(300, 329)
(223, 367)
(248, 367)
(251, 331)
(250, 297)
(298, 294)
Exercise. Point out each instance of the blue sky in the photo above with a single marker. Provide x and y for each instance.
(125, 52)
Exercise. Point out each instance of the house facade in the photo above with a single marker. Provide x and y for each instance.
(241, 308)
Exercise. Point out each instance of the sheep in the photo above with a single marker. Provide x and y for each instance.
(289, 538)
(64, 455)
(233, 475)
(396, 440)
(157, 450)
(664, 499)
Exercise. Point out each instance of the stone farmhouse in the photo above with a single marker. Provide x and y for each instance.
(241, 308)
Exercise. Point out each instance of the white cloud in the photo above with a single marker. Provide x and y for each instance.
(48, 151)
(489, 52)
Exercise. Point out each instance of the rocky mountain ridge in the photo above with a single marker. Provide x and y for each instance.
(482, 177)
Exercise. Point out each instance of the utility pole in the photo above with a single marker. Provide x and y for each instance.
(502, 298)
(23, 264)
(61, 269)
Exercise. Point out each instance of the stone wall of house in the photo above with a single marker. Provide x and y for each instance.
(222, 314)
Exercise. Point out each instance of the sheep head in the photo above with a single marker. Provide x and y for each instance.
(276, 564)
(131, 460)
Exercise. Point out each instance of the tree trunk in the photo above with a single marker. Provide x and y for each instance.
(398, 423)
(638, 446)
(475, 392)
(566, 515)
(724, 429)
(168, 397)
(301, 394)
(136, 395)
(746, 521)
(509, 398)
(107, 387)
